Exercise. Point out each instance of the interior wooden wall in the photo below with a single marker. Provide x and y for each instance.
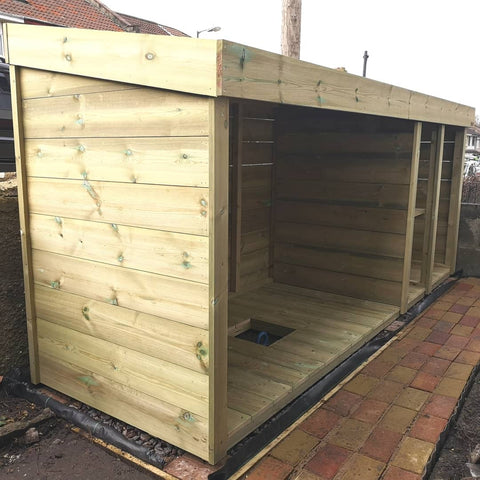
(341, 197)
(117, 190)
(251, 190)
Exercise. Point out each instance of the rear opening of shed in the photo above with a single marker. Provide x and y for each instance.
(208, 228)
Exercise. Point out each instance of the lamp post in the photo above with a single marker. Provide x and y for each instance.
(211, 29)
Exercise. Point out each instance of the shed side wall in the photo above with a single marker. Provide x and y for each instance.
(118, 202)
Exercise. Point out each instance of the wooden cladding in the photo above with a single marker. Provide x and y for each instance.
(349, 238)
(118, 188)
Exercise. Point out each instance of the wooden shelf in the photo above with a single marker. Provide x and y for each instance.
(419, 211)
(327, 329)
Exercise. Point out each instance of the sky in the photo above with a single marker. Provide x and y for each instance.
(430, 46)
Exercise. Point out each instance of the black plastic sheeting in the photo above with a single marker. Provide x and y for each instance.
(19, 388)
(241, 453)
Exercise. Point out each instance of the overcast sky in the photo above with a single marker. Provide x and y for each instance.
(430, 46)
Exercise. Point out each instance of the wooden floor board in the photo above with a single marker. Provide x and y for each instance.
(326, 329)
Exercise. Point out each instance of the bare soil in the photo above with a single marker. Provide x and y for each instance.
(461, 440)
(13, 338)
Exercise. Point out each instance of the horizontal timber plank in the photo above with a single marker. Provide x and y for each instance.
(374, 266)
(357, 286)
(43, 83)
(252, 262)
(160, 419)
(377, 171)
(256, 74)
(261, 385)
(256, 176)
(144, 112)
(345, 239)
(162, 61)
(263, 368)
(158, 337)
(339, 192)
(255, 219)
(256, 197)
(257, 153)
(157, 378)
(345, 142)
(156, 160)
(257, 129)
(168, 297)
(301, 312)
(166, 253)
(254, 241)
(341, 302)
(279, 357)
(361, 218)
(176, 209)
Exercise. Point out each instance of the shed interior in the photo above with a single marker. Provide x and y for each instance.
(320, 241)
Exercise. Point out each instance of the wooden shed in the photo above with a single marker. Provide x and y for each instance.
(182, 200)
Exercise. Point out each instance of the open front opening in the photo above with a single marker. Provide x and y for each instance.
(317, 235)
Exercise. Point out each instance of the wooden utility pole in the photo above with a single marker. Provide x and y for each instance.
(291, 26)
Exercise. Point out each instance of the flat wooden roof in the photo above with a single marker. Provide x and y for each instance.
(218, 68)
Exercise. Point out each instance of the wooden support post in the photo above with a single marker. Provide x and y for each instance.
(17, 117)
(236, 195)
(291, 27)
(431, 213)
(218, 279)
(455, 200)
(412, 197)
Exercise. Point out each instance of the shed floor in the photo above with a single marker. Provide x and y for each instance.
(326, 329)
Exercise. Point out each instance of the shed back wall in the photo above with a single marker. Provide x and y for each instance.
(340, 209)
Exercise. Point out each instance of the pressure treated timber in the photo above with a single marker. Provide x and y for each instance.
(167, 253)
(163, 207)
(410, 219)
(119, 400)
(431, 218)
(455, 199)
(152, 335)
(17, 120)
(218, 278)
(219, 68)
(176, 63)
(181, 161)
(145, 190)
(327, 328)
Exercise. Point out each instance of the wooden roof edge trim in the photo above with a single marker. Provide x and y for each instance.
(182, 64)
(256, 74)
(218, 68)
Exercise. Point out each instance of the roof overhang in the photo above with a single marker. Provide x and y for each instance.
(219, 68)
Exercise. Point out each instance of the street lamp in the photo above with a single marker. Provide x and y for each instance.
(212, 29)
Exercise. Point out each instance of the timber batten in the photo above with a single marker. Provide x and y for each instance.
(181, 197)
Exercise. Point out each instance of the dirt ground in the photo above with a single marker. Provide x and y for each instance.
(462, 439)
(61, 453)
(13, 338)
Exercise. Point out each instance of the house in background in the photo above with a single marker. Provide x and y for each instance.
(90, 14)
(472, 151)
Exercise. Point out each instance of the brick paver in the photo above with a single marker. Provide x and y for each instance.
(270, 468)
(295, 447)
(413, 455)
(328, 460)
(320, 422)
(384, 423)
